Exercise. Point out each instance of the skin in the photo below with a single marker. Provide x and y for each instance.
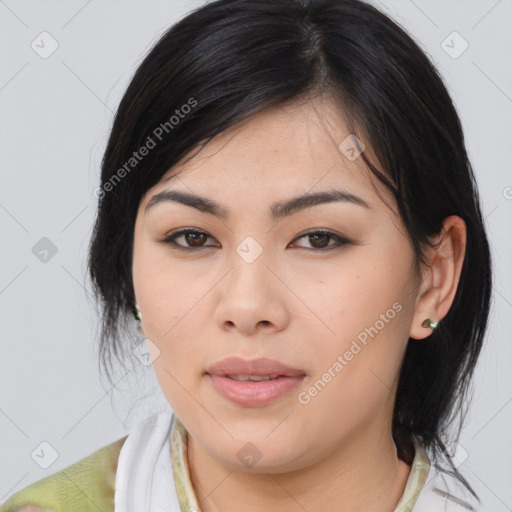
(301, 307)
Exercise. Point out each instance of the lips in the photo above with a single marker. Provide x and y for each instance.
(254, 378)
(253, 383)
(241, 369)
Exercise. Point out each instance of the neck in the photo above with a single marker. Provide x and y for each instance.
(364, 474)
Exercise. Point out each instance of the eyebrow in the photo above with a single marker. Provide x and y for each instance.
(278, 210)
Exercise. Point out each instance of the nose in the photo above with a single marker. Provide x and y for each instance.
(252, 298)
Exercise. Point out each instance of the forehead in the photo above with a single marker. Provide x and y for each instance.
(284, 150)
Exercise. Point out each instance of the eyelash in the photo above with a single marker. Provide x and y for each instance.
(170, 240)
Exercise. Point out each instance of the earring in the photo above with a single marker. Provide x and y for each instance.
(136, 313)
(428, 323)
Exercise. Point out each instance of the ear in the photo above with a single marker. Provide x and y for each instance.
(441, 276)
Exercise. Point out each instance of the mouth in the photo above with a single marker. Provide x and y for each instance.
(253, 378)
(243, 369)
(253, 383)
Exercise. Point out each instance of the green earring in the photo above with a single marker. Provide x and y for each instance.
(136, 313)
(429, 324)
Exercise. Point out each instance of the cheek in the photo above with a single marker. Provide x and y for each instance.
(355, 295)
(366, 311)
(166, 291)
(357, 370)
(173, 304)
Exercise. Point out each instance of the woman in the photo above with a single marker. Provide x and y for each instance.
(287, 208)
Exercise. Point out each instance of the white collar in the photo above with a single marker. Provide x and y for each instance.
(144, 477)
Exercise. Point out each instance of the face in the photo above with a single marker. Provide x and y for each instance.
(328, 289)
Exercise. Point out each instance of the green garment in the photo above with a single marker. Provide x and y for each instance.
(86, 486)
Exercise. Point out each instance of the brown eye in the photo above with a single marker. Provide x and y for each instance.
(195, 239)
(192, 238)
(319, 240)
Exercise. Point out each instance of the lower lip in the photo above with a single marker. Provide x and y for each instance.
(253, 393)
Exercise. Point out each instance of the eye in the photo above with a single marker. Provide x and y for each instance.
(194, 237)
(320, 238)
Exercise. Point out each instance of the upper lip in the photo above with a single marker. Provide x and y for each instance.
(261, 366)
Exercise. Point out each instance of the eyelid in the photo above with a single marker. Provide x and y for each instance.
(170, 239)
(340, 240)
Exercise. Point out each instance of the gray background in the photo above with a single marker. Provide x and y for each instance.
(55, 117)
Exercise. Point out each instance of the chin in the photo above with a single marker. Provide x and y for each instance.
(258, 456)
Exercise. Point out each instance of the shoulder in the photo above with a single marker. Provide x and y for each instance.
(86, 485)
